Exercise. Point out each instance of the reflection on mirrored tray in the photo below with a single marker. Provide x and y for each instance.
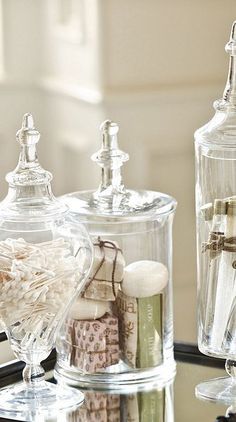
(154, 405)
(176, 402)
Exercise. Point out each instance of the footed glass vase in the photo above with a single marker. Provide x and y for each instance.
(215, 145)
(44, 259)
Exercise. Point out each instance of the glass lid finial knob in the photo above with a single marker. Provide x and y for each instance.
(110, 158)
(110, 127)
(28, 135)
(231, 45)
(229, 96)
(28, 171)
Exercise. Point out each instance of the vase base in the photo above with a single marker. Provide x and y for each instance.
(123, 382)
(217, 390)
(38, 403)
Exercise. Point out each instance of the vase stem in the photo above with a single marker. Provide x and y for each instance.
(33, 374)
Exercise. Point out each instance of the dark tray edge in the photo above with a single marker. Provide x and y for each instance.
(183, 352)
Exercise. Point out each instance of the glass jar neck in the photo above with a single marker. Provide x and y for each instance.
(230, 89)
(112, 180)
(28, 156)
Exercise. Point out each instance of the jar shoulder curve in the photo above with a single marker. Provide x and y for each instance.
(220, 130)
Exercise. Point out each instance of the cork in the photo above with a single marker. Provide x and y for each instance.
(231, 208)
(220, 207)
(207, 211)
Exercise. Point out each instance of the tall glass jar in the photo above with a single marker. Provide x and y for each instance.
(215, 146)
(120, 330)
(45, 256)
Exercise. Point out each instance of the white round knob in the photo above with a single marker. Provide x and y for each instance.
(144, 278)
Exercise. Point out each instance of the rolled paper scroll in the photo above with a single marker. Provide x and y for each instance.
(106, 273)
(207, 212)
(93, 345)
(230, 337)
(226, 286)
(215, 216)
(141, 313)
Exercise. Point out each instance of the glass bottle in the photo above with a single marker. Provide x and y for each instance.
(215, 147)
(120, 330)
(45, 256)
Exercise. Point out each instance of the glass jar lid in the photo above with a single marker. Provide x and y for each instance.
(221, 129)
(30, 195)
(112, 201)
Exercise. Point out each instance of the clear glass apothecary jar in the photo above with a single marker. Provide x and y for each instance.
(215, 146)
(45, 256)
(120, 330)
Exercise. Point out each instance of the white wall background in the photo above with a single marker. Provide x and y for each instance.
(155, 67)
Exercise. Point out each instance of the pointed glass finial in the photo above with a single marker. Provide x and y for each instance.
(110, 158)
(28, 171)
(27, 135)
(229, 96)
(231, 45)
